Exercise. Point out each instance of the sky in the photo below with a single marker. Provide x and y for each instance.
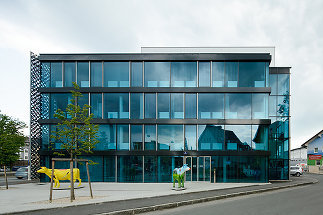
(109, 26)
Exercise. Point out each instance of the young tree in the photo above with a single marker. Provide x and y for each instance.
(11, 140)
(75, 131)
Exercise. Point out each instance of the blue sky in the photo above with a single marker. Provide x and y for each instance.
(66, 26)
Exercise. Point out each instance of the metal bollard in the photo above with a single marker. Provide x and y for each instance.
(214, 171)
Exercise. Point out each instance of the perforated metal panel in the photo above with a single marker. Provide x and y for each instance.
(35, 113)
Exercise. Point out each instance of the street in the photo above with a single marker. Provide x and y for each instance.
(11, 180)
(304, 200)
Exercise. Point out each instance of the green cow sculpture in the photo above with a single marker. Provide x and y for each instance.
(178, 175)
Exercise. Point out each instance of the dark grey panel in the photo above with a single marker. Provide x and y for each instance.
(157, 57)
(279, 70)
(160, 90)
(173, 121)
(177, 153)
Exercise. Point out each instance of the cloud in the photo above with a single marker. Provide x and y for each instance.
(124, 26)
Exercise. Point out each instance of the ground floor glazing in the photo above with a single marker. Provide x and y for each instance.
(155, 169)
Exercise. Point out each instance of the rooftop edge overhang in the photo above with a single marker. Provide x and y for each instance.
(260, 57)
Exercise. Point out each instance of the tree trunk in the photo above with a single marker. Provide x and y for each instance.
(5, 176)
(72, 179)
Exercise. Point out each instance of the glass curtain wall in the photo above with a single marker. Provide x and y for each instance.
(83, 74)
(116, 74)
(204, 74)
(184, 74)
(96, 74)
(69, 74)
(157, 74)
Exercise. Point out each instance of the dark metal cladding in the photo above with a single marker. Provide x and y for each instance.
(156, 57)
(35, 113)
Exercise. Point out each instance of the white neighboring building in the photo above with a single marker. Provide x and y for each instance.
(24, 151)
(298, 155)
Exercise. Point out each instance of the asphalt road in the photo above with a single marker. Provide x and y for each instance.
(305, 200)
(11, 180)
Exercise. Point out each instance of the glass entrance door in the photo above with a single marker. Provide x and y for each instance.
(200, 168)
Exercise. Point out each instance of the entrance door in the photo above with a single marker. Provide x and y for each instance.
(200, 168)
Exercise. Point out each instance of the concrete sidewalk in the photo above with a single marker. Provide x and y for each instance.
(125, 198)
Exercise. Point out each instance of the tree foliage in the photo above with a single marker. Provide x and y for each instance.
(11, 139)
(75, 131)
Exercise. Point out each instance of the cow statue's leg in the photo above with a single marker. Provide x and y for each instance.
(179, 181)
(174, 179)
(79, 182)
(57, 185)
(182, 180)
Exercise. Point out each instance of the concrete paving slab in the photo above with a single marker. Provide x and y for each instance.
(34, 196)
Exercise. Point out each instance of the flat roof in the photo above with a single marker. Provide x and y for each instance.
(264, 57)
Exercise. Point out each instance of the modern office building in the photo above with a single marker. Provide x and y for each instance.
(222, 109)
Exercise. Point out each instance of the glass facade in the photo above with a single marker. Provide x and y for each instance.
(83, 74)
(167, 113)
(116, 105)
(116, 74)
(184, 74)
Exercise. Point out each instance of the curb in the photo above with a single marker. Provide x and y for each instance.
(201, 200)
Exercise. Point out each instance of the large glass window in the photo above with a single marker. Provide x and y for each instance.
(69, 74)
(238, 137)
(45, 106)
(217, 74)
(238, 106)
(150, 137)
(123, 137)
(136, 74)
(259, 106)
(136, 137)
(231, 74)
(83, 100)
(150, 168)
(157, 74)
(273, 106)
(96, 105)
(45, 74)
(170, 137)
(130, 169)
(96, 74)
(283, 84)
(116, 105)
(260, 137)
(210, 137)
(56, 74)
(109, 169)
(150, 105)
(251, 74)
(204, 74)
(96, 171)
(283, 105)
(107, 137)
(163, 101)
(190, 106)
(59, 101)
(136, 105)
(116, 74)
(190, 137)
(177, 106)
(166, 164)
(183, 74)
(273, 83)
(45, 137)
(83, 74)
(211, 105)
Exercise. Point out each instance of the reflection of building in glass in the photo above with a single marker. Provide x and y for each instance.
(225, 108)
